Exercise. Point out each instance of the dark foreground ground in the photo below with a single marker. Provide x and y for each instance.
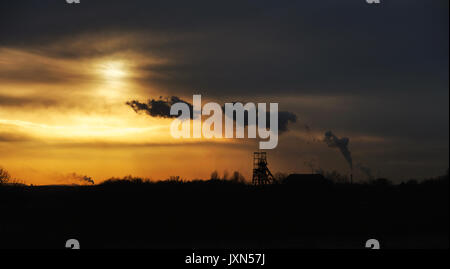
(218, 214)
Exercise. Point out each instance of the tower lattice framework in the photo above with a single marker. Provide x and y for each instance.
(261, 173)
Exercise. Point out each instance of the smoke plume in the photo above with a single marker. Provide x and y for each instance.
(284, 118)
(157, 108)
(366, 170)
(81, 178)
(161, 108)
(341, 143)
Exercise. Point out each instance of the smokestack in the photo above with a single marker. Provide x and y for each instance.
(342, 144)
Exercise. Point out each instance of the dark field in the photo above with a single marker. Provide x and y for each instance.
(221, 214)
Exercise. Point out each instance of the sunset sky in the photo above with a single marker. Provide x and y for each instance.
(377, 75)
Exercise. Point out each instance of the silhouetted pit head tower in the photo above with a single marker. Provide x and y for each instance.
(261, 173)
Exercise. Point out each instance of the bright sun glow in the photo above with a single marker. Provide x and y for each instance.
(113, 70)
(113, 74)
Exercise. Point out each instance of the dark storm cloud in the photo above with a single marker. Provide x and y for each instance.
(409, 116)
(226, 47)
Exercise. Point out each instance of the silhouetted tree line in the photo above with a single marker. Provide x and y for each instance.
(5, 177)
(321, 177)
